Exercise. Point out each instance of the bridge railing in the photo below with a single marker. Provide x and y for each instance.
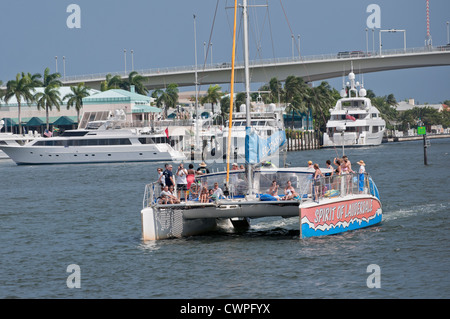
(226, 65)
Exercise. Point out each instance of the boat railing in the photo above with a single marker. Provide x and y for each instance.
(337, 186)
(304, 185)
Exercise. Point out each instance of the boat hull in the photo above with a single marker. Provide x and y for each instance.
(165, 224)
(353, 140)
(339, 215)
(33, 155)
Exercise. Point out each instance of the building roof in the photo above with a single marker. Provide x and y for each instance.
(405, 106)
(116, 96)
(63, 91)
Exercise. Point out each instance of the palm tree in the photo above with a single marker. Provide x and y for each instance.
(275, 89)
(51, 79)
(296, 93)
(76, 98)
(212, 96)
(21, 87)
(135, 79)
(111, 82)
(321, 99)
(47, 99)
(166, 99)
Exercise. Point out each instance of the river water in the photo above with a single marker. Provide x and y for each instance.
(54, 216)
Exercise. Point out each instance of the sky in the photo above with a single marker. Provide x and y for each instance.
(161, 34)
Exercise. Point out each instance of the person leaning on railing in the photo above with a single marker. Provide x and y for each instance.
(361, 177)
(317, 185)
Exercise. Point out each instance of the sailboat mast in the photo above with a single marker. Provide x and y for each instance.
(247, 95)
(230, 121)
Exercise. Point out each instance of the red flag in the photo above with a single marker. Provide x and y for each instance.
(167, 132)
(349, 117)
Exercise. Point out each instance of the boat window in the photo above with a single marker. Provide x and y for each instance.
(74, 133)
(58, 143)
(153, 140)
(374, 129)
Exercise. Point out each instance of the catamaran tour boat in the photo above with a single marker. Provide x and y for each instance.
(98, 143)
(354, 120)
(324, 206)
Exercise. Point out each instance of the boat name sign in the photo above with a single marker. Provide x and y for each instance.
(339, 216)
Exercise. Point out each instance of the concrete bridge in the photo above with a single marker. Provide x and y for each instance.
(310, 68)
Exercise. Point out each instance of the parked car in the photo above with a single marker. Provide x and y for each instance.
(444, 47)
(351, 54)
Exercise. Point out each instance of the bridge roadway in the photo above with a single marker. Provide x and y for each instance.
(310, 68)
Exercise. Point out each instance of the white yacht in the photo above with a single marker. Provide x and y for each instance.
(8, 138)
(14, 139)
(100, 145)
(354, 120)
(266, 122)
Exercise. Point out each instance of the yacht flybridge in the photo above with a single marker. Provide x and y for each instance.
(354, 120)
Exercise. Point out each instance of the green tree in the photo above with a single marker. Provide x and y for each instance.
(225, 108)
(50, 79)
(240, 99)
(385, 104)
(166, 99)
(47, 99)
(75, 99)
(296, 94)
(321, 100)
(22, 88)
(137, 80)
(212, 96)
(111, 82)
(276, 91)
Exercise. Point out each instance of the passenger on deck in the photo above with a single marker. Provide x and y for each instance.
(348, 164)
(168, 196)
(204, 195)
(173, 195)
(217, 191)
(181, 179)
(161, 179)
(337, 162)
(289, 191)
(168, 175)
(193, 191)
(163, 199)
(310, 164)
(190, 178)
(361, 177)
(328, 163)
(273, 190)
(317, 182)
(202, 169)
(234, 167)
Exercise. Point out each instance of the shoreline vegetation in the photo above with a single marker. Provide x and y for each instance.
(294, 93)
